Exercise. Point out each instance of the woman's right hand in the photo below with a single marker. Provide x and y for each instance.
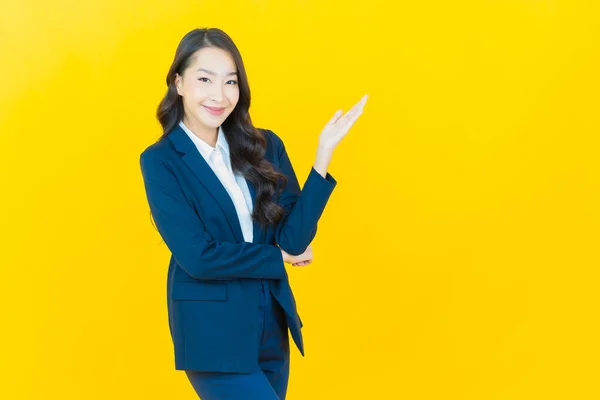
(299, 260)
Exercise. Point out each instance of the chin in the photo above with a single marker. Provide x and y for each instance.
(210, 122)
(213, 123)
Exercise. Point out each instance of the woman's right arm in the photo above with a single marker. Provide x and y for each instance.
(193, 248)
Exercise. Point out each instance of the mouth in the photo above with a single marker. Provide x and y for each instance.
(214, 110)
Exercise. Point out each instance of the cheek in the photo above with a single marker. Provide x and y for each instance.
(233, 95)
(197, 94)
(193, 92)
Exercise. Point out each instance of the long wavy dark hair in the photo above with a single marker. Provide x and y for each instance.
(247, 143)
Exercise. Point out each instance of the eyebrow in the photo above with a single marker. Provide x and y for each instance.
(214, 74)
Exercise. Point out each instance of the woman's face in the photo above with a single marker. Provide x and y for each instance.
(209, 88)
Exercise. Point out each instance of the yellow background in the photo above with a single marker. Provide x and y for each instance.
(458, 256)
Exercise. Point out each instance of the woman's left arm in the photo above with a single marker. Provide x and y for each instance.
(303, 208)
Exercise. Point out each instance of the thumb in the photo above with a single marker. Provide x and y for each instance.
(335, 117)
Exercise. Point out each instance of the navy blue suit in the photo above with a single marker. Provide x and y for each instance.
(216, 281)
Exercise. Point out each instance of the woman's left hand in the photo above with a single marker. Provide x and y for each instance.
(338, 126)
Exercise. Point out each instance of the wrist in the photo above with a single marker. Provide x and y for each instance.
(323, 159)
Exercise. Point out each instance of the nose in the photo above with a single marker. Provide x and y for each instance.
(217, 94)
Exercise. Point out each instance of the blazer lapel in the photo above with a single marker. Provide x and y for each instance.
(194, 160)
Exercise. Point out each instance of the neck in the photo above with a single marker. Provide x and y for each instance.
(208, 135)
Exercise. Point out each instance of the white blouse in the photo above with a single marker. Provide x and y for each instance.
(218, 158)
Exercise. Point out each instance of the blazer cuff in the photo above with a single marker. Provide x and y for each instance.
(318, 189)
(328, 180)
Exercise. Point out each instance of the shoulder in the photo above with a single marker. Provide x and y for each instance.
(160, 149)
(157, 155)
(274, 142)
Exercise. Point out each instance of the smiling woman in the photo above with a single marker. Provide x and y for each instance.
(207, 89)
(226, 201)
(208, 92)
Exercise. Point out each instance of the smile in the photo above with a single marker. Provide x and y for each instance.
(215, 110)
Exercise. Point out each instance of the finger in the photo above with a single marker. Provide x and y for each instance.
(355, 110)
(350, 121)
(335, 117)
(347, 119)
(358, 107)
(353, 119)
(361, 103)
(349, 113)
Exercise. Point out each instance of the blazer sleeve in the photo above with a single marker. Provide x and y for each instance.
(303, 208)
(185, 236)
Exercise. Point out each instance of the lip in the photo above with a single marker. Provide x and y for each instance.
(214, 110)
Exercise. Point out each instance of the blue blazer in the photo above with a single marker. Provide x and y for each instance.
(213, 282)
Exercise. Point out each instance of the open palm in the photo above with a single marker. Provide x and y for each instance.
(339, 125)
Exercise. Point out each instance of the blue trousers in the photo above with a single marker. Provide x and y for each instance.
(270, 379)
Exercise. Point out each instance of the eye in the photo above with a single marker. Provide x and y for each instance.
(233, 82)
(203, 79)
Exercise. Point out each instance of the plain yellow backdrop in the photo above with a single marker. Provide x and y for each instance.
(458, 257)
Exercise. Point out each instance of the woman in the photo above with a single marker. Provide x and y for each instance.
(226, 201)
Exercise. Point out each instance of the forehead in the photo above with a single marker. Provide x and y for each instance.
(214, 59)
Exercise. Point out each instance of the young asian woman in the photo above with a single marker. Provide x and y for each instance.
(227, 203)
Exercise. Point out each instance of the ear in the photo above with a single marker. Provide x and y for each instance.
(178, 83)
